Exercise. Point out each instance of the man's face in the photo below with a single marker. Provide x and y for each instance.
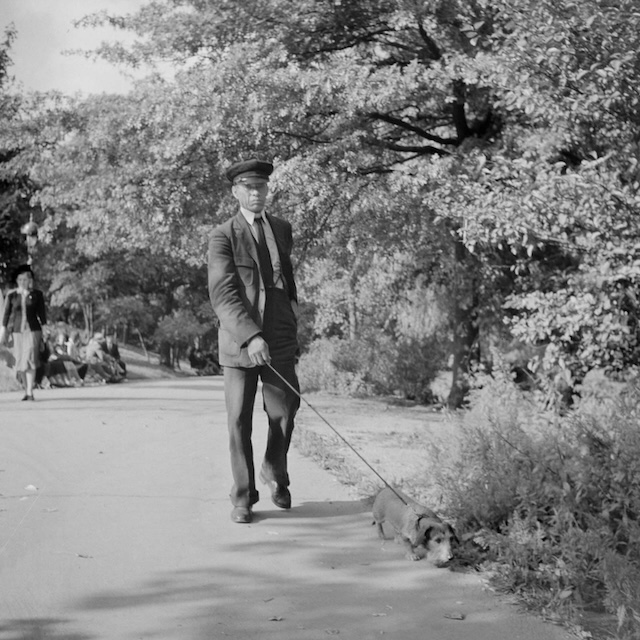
(251, 193)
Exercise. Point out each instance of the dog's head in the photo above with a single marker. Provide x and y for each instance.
(436, 537)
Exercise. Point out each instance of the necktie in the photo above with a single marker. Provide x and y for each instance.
(263, 254)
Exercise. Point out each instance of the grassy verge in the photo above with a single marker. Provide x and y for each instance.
(548, 507)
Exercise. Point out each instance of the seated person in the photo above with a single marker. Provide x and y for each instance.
(60, 369)
(100, 361)
(205, 364)
(114, 352)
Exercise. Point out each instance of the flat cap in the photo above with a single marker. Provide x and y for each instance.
(253, 168)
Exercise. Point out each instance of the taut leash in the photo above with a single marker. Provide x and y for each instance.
(335, 431)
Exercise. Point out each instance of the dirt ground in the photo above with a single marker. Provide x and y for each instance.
(114, 523)
(366, 441)
(346, 435)
(388, 433)
(388, 437)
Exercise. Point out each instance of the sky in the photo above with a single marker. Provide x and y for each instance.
(45, 29)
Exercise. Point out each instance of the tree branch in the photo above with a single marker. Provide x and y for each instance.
(458, 112)
(301, 136)
(434, 51)
(398, 122)
(420, 150)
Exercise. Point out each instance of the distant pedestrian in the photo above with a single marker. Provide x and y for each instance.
(22, 321)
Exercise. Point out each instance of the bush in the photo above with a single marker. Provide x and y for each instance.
(372, 365)
(327, 366)
(555, 503)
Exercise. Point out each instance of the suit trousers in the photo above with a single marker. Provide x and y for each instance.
(280, 404)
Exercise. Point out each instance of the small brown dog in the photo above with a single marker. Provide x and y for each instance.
(414, 525)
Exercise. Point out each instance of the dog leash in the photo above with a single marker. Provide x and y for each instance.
(336, 432)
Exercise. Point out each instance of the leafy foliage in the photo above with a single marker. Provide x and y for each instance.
(458, 173)
(16, 188)
(493, 143)
(554, 504)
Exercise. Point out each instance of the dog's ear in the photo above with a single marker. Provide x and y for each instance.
(452, 532)
(424, 526)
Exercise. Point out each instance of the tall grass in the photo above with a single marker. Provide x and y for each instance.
(553, 503)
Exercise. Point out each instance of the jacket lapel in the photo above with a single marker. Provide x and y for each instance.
(276, 234)
(245, 236)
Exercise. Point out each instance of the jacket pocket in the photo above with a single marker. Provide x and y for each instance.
(227, 344)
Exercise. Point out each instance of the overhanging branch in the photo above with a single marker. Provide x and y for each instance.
(422, 150)
(407, 126)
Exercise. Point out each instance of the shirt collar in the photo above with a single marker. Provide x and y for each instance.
(250, 216)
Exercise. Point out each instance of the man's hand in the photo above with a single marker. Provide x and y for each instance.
(258, 351)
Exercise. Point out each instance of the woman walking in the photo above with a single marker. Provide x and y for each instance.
(23, 317)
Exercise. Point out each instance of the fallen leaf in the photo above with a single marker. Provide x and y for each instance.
(267, 600)
(80, 555)
(276, 619)
(332, 632)
(378, 615)
(31, 487)
(454, 615)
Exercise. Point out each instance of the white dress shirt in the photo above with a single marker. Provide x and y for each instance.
(250, 217)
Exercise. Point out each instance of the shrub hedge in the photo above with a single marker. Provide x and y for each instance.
(553, 503)
(374, 364)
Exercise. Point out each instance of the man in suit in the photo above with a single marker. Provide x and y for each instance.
(254, 296)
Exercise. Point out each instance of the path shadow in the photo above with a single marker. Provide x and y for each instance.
(328, 509)
(301, 583)
(39, 629)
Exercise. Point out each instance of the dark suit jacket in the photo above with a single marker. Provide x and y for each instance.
(36, 313)
(235, 286)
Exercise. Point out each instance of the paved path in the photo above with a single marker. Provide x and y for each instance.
(114, 524)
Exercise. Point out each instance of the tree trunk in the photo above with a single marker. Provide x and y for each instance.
(166, 350)
(465, 337)
(144, 348)
(353, 317)
(165, 354)
(87, 314)
(465, 323)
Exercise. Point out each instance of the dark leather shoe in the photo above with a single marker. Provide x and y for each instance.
(280, 495)
(243, 515)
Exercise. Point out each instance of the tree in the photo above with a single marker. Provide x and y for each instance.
(16, 188)
(468, 133)
(334, 112)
